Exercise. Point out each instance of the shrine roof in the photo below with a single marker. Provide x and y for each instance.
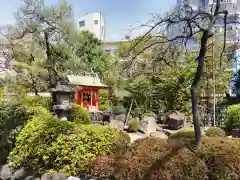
(89, 81)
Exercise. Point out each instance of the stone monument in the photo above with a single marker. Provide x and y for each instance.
(148, 125)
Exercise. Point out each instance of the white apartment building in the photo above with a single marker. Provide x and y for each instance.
(94, 23)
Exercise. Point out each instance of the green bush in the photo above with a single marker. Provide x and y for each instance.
(117, 110)
(47, 143)
(185, 133)
(37, 101)
(122, 142)
(232, 118)
(215, 132)
(37, 111)
(154, 158)
(79, 115)
(133, 125)
(13, 116)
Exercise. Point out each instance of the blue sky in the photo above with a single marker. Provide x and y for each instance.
(118, 14)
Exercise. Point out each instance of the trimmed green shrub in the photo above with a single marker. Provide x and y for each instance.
(47, 143)
(13, 116)
(79, 115)
(37, 101)
(232, 118)
(215, 132)
(157, 159)
(133, 125)
(38, 111)
(185, 133)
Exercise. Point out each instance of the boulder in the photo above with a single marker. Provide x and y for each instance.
(73, 178)
(53, 176)
(58, 176)
(31, 178)
(159, 135)
(148, 125)
(23, 174)
(175, 120)
(120, 117)
(5, 172)
(46, 176)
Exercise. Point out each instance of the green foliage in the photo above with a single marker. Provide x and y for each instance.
(133, 125)
(185, 133)
(38, 111)
(232, 117)
(215, 132)
(88, 55)
(34, 143)
(221, 157)
(154, 158)
(103, 100)
(122, 142)
(1, 94)
(13, 116)
(117, 110)
(79, 115)
(37, 101)
(47, 143)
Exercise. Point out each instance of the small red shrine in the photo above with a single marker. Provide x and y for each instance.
(87, 89)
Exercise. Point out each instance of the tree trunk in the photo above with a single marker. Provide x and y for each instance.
(195, 83)
(49, 62)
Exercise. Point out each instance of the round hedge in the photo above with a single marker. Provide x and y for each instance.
(79, 115)
(133, 125)
(232, 118)
(48, 143)
(185, 133)
(157, 159)
(215, 132)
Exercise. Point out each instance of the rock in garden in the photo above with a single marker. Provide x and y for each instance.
(31, 178)
(54, 176)
(23, 173)
(159, 135)
(46, 176)
(120, 117)
(5, 172)
(175, 120)
(58, 176)
(148, 125)
(73, 178)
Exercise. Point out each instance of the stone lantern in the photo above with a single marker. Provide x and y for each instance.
(63, 96)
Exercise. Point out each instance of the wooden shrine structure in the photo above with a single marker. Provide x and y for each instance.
(87, 90)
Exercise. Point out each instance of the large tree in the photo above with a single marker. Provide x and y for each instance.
(193, 23)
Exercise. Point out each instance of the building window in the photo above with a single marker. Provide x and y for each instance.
(81, 24)
(95, 21)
